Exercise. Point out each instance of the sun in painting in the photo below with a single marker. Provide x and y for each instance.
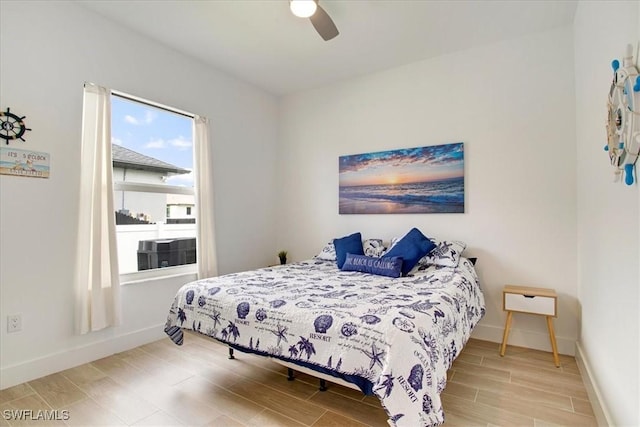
(392, 179)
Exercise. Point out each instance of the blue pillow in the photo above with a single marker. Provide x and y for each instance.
(391, 267)
(348, 244)
(413, 246)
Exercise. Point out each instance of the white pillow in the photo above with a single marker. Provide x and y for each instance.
(373, 247)
(328, 253)
(446, 253)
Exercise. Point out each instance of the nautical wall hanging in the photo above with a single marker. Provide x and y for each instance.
(30, 164)
(623, 122)
(11, 126)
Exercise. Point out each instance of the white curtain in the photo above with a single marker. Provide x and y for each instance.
(203, 170)
(97, 277)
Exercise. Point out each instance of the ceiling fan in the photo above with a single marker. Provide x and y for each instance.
(320, 19)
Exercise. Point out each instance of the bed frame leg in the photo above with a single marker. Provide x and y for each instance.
(290, 376)
(231, 353)
(323, 385)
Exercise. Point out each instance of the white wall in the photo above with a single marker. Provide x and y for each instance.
(608, 217)
(47, 51)
(512, 104)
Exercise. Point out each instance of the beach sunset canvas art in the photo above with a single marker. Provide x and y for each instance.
(412, 180)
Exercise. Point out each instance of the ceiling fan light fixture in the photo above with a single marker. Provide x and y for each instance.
(303, 8)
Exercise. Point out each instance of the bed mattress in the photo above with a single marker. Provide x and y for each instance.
(394, 337)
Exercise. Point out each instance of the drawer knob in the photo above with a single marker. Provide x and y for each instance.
(529, 296)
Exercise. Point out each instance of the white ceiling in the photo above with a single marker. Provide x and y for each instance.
(261, 42)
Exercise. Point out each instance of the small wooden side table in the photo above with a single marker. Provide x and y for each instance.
(524, 299)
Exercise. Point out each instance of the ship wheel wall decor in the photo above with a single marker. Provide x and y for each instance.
(623, 121)
(12, 126)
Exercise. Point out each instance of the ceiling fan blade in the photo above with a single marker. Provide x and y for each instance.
(323, 24)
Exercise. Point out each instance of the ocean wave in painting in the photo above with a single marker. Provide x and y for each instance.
(444, 196)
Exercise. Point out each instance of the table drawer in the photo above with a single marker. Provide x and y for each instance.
(530, 304)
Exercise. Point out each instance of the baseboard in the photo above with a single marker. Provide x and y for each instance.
(40, 367)
(523, 338)
(50, 364)
(600, 411)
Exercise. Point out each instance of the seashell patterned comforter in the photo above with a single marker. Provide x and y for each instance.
(399, 335)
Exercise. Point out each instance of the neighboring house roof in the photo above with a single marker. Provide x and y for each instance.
(125, 158)
(181, 199)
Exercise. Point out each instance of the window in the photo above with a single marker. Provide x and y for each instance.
(152, 153)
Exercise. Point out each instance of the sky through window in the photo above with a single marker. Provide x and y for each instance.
(156, 133)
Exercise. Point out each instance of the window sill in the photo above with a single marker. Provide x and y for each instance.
(148, 276)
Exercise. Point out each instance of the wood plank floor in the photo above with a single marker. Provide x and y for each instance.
(161, 384)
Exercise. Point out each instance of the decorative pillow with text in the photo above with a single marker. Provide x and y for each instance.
(390, 267)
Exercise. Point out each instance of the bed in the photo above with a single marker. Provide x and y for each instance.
(391, 337)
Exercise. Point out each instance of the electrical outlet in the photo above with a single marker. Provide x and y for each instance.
(14, 323)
